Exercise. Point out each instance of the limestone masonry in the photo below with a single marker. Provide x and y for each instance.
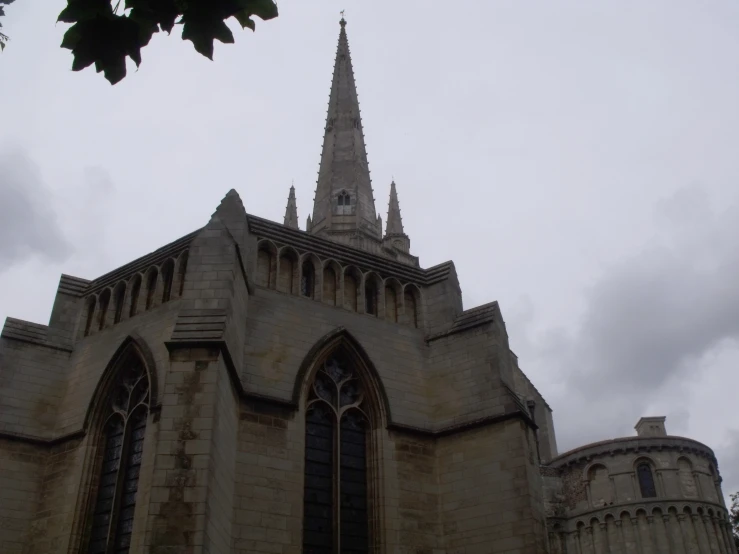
(256, 388)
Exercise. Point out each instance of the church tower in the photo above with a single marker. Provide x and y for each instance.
(253, 387)
(344, 204)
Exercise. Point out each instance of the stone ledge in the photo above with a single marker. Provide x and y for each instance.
(73, 286)
(31, 333)
(468, 320)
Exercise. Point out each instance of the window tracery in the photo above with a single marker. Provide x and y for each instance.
(335, 498)
(122, 446)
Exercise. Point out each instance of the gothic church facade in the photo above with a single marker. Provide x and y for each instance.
(256, 388)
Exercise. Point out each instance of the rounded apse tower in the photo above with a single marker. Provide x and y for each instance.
(649, 494)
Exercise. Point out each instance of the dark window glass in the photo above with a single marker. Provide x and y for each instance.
(646, 481)
(120, 465)
(335, 505)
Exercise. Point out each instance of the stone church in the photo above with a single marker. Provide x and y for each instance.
(256, 388)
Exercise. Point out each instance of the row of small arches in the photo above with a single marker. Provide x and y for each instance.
(285, 270)
(670, 529)
(656, 511)
(140, 292)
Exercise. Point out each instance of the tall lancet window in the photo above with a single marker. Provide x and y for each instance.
(646, 480)
(120, 461)
(335, 514)
(344, 202)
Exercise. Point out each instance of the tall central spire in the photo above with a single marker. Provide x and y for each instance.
(344, 205)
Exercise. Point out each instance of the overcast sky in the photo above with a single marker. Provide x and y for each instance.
(577, 161)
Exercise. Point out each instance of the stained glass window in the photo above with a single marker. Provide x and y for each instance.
(122, 446)
(646, 480)
(335, 516)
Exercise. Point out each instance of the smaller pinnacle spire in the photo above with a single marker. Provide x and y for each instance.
(291, 212)
(394, 221)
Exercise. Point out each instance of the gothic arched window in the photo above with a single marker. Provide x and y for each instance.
(646, 480)
(120, 461)
(335, 508)
(344, 202)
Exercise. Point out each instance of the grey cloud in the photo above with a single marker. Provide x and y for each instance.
(728, 456)
(648, 321)
(28, 224)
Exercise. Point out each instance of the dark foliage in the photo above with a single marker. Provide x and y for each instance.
(3, 38)
(100, 35)
(734, 518)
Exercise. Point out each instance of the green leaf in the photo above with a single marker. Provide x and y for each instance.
(162, 13)
(78, 10)
(243, 17)
(222, 33)
(263, 9)
(115, 70)
(201, 39)
(71, 38)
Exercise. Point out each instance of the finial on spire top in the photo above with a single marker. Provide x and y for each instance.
(343, 21)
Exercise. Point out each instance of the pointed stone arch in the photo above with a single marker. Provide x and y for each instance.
(116, 427)
(132, 345)
(340, 339)
(343, 403)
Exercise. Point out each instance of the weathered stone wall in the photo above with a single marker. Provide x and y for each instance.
(282, 329)
(21, 479)
(32, 385)
(594, 501)
(489, 487)
(269, 481)
(542, 415)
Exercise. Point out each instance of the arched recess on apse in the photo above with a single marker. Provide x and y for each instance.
(599, 485)
(116, 422)
(343, 402)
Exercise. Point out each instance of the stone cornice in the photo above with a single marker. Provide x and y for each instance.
(33, 333)
(467, 320)
(634, 445)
